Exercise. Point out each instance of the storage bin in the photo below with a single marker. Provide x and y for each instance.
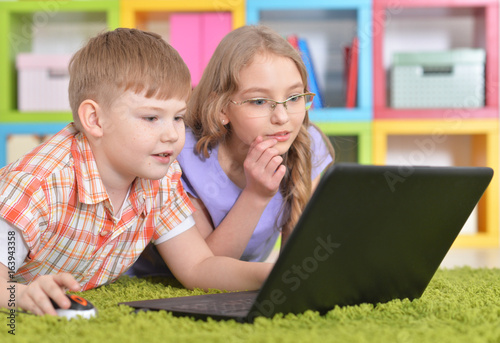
(42, 83)
(447, 79)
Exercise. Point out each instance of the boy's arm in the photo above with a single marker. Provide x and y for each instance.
(35, 297)
(194, 265)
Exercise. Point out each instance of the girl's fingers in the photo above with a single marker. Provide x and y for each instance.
(259, 147)
(278, 175)
(273, 164)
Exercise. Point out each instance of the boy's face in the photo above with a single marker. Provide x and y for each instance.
(141, 136)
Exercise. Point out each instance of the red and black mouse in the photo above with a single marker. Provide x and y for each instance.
(79, 307)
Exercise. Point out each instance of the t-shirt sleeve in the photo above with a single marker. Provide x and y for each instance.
(13, 248)
(184, 226)
(176, 208)
(23, 205)
(320, 154)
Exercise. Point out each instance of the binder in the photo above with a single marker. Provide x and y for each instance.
(196, 36)
(185, 37)
(215, 25)
(311, 75)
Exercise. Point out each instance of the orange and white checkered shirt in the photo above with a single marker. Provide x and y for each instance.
(55, 197)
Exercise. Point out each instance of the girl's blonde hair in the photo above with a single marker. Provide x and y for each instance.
(126, 59)
(221, 80)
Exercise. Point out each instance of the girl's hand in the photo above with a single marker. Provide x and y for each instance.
(36, 296)
(263, 168)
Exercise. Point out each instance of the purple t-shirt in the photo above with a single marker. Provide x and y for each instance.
(204, 179)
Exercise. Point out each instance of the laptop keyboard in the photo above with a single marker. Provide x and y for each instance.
(220, 307)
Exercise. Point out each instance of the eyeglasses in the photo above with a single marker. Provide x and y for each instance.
(262, 107)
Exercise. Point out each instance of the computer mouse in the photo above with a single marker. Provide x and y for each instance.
(79, 307)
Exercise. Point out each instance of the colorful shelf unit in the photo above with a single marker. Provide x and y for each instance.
(330, 24)
(484, 151)
(369, 129)
(350, 136)
(21, 21)
(194, 28)
(394, 19)
(27, 27)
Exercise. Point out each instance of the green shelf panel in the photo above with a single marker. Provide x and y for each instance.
(361, 130)
(18, 19)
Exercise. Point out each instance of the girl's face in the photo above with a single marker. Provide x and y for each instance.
(272, 77)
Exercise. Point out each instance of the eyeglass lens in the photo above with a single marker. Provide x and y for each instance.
(293, 105)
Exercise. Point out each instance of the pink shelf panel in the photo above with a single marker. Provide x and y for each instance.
(196, 35)
(382, 15)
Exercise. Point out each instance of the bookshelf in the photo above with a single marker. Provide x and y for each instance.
(370, 132)
(458, 135)
(204, 22)
(329, 27)
(352, 141)
(13, 130)
(30, 27)
(408, 18)
(27, 26)
(429, 135)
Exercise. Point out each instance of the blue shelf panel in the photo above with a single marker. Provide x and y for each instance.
(363, 13)
(340, 115)
(7, 129)
(255, 6)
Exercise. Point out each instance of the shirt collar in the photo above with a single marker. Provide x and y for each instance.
(142, 193)
(90, 187)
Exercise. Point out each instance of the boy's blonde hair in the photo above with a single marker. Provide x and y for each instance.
(126, 59)
(221, 80)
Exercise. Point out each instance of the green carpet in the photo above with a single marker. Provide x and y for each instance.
(460, 305)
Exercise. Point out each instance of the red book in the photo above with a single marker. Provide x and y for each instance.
(293, 40)
(352, 73)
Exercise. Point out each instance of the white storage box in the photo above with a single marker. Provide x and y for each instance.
(42, 83)
(447, 79)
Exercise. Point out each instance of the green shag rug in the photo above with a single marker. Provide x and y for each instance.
(460, 305)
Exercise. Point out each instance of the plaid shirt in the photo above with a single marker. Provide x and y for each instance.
(56, 197)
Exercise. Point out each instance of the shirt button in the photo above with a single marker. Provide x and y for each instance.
(104, 233)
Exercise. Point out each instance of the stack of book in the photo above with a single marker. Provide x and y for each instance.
(350, 68)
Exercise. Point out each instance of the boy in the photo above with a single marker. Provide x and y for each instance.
(77, 211)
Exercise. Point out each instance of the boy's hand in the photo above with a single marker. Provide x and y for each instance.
(36, 296)
(263, 168)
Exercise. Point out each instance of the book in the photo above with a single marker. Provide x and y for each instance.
(311, 75)
(351, 73)
(293, 40)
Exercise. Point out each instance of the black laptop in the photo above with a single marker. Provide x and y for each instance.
(369, 234)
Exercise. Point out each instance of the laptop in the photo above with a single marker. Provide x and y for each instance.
(369, 234)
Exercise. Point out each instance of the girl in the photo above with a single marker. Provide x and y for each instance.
(251, 158)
